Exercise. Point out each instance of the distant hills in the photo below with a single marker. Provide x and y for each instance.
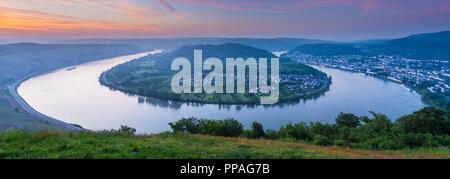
(20, 59)
(23, 58)
(17, 60)
(328, 49)
(221, 51)
(421, 46)
(170, 44)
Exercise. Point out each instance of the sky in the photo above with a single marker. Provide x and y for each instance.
(340, 20)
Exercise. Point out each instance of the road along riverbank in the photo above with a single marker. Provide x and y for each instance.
(19, 103)
(23, 106)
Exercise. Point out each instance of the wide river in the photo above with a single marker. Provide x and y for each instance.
(76, 96)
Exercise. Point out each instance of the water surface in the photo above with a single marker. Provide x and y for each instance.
(76, 96)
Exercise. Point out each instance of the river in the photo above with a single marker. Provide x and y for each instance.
(74, 95)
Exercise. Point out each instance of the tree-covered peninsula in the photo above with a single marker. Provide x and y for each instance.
(151, 76)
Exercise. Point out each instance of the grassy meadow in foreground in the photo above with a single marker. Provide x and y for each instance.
(19, 144)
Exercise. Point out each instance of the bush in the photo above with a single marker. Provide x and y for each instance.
(427, 120)
(428, 127)
(322, 140)
(299, 131)
(257, 131)
(348, 120)
(233, 128)
(127, 130)
(11, 135)
(323, 129)
(227, 127)
(77, 125)
(186, 125)
(271, 134)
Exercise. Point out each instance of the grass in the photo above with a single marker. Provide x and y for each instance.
(432, 151)
(11, 118)
(99, 145)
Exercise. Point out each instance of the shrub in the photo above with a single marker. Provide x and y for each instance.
(271, 134)
(323, 130)
(11, 135)
(340, 142)
(233, 128)
(299, 131)
(186, 125)
(322, 140)
(127, 130)
(77, 125)
(348, 120)
(427, 120)
(211, 127)
(257, 130)
(227, 127)
(428, 127)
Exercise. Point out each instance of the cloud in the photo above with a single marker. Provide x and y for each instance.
(169, 7)
(302, 6)
(19, 22)
(112, 10)
(219, 17)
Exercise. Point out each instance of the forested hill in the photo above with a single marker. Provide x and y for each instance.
(170, 44)
(20, 59)
(328, 49)
(151, 75)
(428, 46)
(221, 51)
(420, 46)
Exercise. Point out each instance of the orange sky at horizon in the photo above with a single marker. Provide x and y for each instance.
(324, 19)
(15, 22)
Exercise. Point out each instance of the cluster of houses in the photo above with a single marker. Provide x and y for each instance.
(295, 82)
(435, 74)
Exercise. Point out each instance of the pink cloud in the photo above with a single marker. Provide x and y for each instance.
(300, 6)
(17, 22)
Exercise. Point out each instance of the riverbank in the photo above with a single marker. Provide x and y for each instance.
(20, 104)
(424, 95)
(91, 104)
(107, 145)
(326, 83)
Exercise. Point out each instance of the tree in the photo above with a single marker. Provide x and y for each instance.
(298, 131)
(232, 128)
(190, 125)
(127, 130)
(428, 120)
(257, 130)
(348, 120)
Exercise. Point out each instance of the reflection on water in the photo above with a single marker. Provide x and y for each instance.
(76, 96)
(175, 105)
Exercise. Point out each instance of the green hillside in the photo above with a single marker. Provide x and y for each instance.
(422, 134)
(22, 59)
(119, 145)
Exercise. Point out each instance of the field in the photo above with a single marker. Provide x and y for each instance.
(18, 144)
